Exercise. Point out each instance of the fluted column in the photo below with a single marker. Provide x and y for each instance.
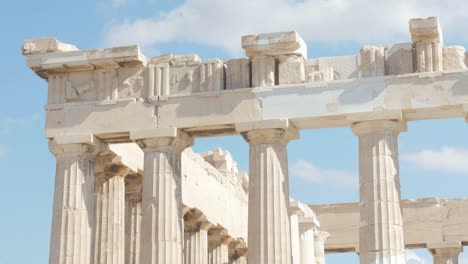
(218, 254)
(319, 246)
(133, 187)
(294, 211)
(446, 253)
(162, 222)
(307, 247)
(218, 246)
(269, 235)
(307, 227)
(196, 244)
(237, 252)
(428, 56)
(381, 230)
(110, 215)
(240, 260)
(73, 211)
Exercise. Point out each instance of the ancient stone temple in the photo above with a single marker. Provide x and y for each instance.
(129, 189)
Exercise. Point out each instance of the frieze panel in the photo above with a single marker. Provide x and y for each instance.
(80, 87)
(184, 74)
(131, 82)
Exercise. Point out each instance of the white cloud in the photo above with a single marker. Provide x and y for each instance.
(3, 152)
(222, 23)
(308, 171)
(8, 123)
(447, 159)
(413, 258)
(118, 3)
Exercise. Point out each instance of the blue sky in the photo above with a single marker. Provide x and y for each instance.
(323, 163)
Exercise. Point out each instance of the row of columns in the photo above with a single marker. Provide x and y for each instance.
(381, 230)
(307, 242)
(105, 214)
(162, 235)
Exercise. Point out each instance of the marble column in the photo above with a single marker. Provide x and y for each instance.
(295, 210)
(218, 254)
(319, 246)
(218, 246)
(446, 253)
(110, 215)
(196, 244)
(307, 247)
(269, 231)
(133, 185)
(240, 260)
(237, 252)
(428, 56)
(162, 222)
(73, 210)
(381, 229)
(307, 227)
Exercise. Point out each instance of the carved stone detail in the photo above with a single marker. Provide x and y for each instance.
(73, 92)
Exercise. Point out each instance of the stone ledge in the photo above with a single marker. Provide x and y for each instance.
(272, 44)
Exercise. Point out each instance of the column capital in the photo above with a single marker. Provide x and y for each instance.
(109, 171)
(195, 221)
(237, 248)
(116, 170)
(217, 235)
(308, 223)
(445, 248)
(294, 208)
(379, 126)
(300, 209)
(268, 131)
(133, 186)
(321, 235)
(162, 138)
(426, 29)
(319, 243)
(84, 145)
(108, 166)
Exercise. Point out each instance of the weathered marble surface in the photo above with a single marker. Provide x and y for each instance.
(166, 101)
(269, 237)
(273, 44)
(381, 232)
(428, 42)
(89, 88)
(447, 220)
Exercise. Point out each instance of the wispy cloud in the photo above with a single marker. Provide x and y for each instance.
(221, 23)
(9, 123)
(414, 258)
(3, 152)
(447, 159)
(310, 172)
(118, 3)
